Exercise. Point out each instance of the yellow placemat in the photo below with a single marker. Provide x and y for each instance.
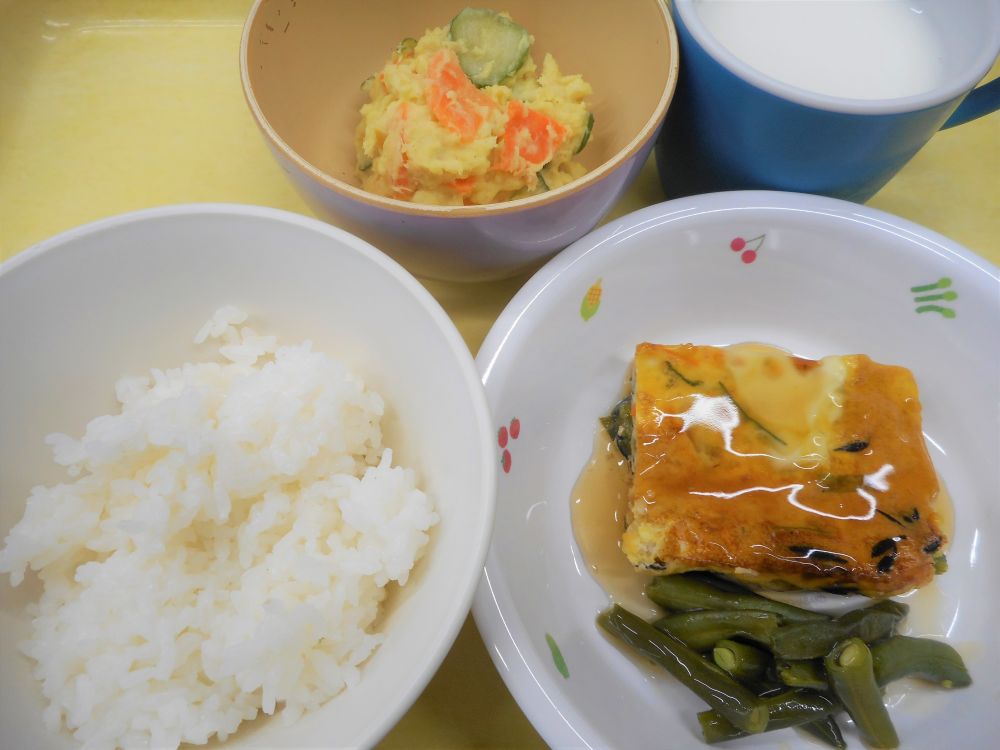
(113, 105)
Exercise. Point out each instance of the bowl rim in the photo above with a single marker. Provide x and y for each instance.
(463, 583)
(704, 203)
(959, 85)
(343, 189)
(495, 610)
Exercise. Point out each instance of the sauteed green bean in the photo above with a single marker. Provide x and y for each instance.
(811, 641)
(701, 630)
(745, 663)
(852, 678)
(934, 661)
(735, 703)
(683, 593)
(763, 665)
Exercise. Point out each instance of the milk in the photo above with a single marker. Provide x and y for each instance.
(857, 49)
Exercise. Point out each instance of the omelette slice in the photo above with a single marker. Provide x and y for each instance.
(778, 471)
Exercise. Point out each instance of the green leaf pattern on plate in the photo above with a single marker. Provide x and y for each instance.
(939, 291)
(557, 656)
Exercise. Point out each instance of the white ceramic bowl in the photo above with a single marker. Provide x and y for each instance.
(128, 293)
(813, 275)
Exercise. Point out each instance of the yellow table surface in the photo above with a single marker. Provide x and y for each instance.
(108, 106)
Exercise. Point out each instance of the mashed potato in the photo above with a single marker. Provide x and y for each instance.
(429, 135)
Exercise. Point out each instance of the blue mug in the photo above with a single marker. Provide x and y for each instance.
(732, 127)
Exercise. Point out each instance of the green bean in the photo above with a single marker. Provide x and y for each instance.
(892, 607)
(802, 673)
(701, 629)
(720, 691)
(715, 729)
(790, 708)
(813, 640)
(686, 594)
(717, 581)
(849, 666)
(934, 661)
(826, 730)
(745, 663)
(793, 707)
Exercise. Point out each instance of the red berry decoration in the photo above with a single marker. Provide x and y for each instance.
(515, 428)
(502, 437)
(505, 462)
(749, 256)
(738, 244)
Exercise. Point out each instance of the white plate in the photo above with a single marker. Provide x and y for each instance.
(826, 277)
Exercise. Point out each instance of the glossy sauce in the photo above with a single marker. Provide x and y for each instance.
(781, 471)
(598, 506)
(757, 487)
(599, 503)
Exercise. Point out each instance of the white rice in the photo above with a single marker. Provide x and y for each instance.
(223, 549)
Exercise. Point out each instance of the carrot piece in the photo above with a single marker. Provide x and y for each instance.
(402, 186)
(530, 136)
(464, 185)
(454, 100)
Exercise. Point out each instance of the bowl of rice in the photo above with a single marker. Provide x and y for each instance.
(246, 484)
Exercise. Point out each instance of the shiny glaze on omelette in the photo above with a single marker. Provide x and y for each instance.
(780, 471)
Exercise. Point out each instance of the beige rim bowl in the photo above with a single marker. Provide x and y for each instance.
(303, 62)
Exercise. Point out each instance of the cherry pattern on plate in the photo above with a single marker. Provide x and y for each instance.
(504, 435)
(748, 249)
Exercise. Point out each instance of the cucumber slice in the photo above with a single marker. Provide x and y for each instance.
(494, 46)
(586, 132)
(406, 46)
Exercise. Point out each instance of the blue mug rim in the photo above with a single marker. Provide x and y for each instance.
(687, 15)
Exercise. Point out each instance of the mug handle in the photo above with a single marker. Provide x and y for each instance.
(980, 101)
